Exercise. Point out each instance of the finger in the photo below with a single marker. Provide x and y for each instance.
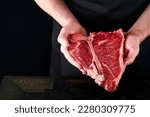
(62, 39)
(83, 71)
(98, 82)
(130, 58)
(128, 54)
(69, 57)
(128, 61)
(100, 78)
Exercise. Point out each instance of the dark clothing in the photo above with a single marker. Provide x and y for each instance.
(107, 15)
(95, 15)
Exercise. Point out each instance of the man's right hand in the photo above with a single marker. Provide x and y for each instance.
(71, 28)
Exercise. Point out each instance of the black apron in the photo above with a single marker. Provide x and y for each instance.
(94, 15)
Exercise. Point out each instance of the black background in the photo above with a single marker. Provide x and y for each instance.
(25, 42)
(25, 39)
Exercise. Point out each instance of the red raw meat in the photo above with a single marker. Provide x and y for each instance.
(100, 55)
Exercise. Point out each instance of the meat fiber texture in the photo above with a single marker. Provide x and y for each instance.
(100, 55)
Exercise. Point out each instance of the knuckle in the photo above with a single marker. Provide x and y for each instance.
(61, 49)
(131, 49)
(131, 61)
(63, 41)
(59, 39)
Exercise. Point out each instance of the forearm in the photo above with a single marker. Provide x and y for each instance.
(58, 10)
(142, 25)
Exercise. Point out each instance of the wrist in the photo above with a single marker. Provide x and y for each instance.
(138, 33)
(70, 21)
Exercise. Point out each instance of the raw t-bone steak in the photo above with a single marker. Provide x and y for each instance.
(100, 55)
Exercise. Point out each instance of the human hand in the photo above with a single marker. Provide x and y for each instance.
(132, 45)
(71, 28)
